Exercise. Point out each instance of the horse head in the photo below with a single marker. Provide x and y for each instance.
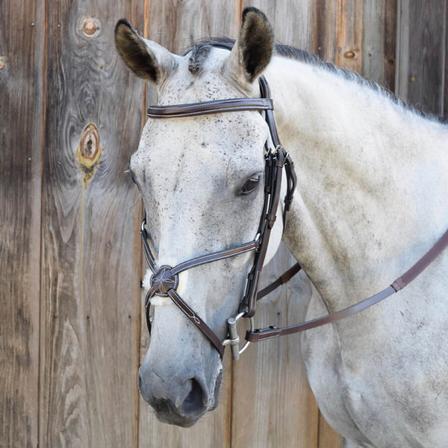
(202, 183)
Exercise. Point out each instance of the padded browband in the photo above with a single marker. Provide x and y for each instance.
(210, 107)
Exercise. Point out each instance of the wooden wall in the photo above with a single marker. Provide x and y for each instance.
(70, 258)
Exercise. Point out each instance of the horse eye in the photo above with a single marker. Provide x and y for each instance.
(250, 185)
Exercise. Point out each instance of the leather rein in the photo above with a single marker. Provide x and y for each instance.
(165, 279)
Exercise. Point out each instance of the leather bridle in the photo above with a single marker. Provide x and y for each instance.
(164, 279)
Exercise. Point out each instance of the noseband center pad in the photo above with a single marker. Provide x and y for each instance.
(163, 280)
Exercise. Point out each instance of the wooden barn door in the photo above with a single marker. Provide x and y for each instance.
(90, 263)
(22, 97)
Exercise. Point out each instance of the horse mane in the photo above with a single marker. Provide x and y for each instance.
(201, 47)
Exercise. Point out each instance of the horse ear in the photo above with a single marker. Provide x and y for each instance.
(145, 58)
(253, 50)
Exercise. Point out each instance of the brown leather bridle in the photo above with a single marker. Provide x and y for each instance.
(164, 280)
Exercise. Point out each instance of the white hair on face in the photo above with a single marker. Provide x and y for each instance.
(146, 283)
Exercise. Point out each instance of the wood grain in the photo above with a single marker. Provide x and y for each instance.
(176, 25)
(445, 92)
(421, 53)
(272, 403)
(339, 30)
(278, 408)
(328, 438)
(21, 122)
(379, 42)
(293, 21)
(445, 103)
(90, 246)
(358, 36)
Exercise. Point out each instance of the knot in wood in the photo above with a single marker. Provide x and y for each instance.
(90, 142)
(90, 26)
(2, 62)
(89, 150)
(350, 54)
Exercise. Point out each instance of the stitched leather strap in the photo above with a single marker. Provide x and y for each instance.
(284, 278)
(400, 283)
(272, 331)
(150, 260)
(210, 107)
(421, 264)
(197, 321)
(215, 256)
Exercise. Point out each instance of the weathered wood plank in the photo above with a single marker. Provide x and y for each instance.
(358, 36)
(328, 438)
(445, 109)
(272, 403)
(421, 53)
(90, 249)
(176, 25)
(22, 38)
(379, 39)
(339, 30)
(293, 21)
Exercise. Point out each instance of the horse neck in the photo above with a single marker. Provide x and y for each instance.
(372, 180)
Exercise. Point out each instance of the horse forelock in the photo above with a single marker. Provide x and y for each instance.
(198, 54)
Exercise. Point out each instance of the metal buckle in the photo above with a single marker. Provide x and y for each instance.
(234, 339)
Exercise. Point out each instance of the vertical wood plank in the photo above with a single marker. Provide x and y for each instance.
(293, 21)
(421, 53)
(272, 403)
(358, 36)
(22, 44)
(328, 438)
(176, 25)
(379, 38)
(340, 32)
(445, 109)
(90, 251)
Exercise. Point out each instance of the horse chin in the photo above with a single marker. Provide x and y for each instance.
(172, 418)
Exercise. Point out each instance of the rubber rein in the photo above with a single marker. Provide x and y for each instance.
(164, 280)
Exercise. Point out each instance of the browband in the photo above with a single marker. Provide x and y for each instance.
(210, 107)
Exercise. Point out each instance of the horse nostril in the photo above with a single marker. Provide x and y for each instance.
(194, 400)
